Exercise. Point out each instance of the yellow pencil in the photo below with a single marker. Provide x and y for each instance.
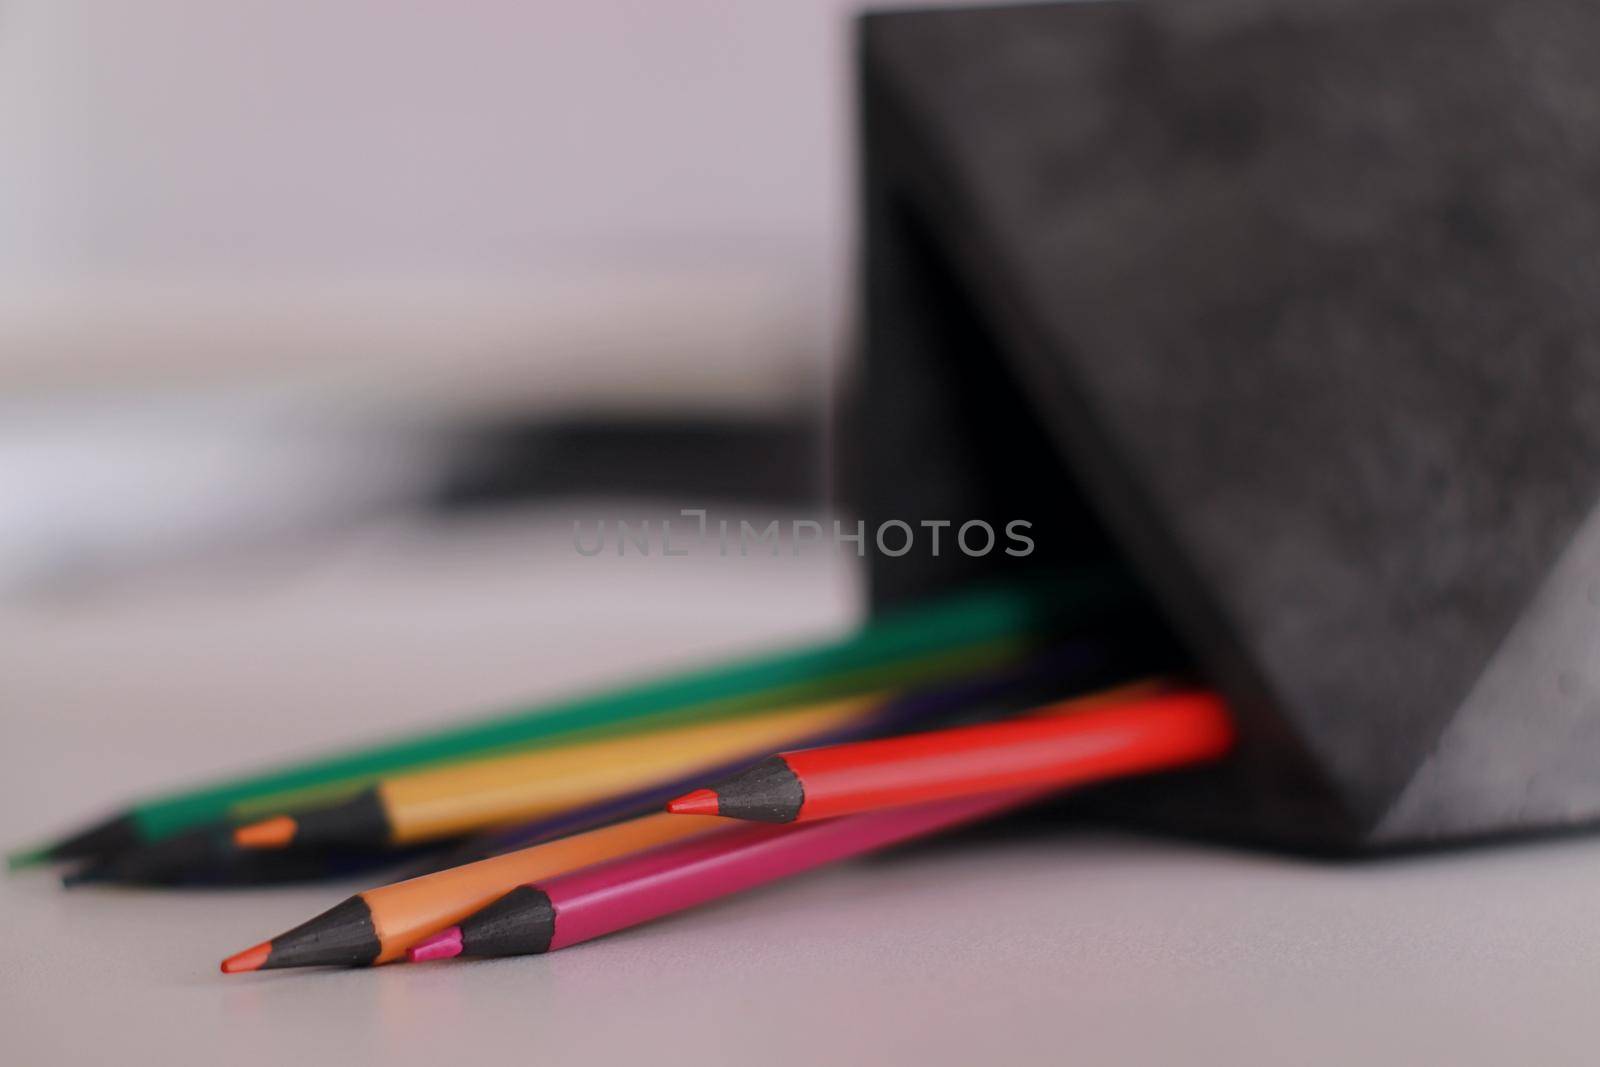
(427, 805)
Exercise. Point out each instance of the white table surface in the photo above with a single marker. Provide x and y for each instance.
(1045, 948)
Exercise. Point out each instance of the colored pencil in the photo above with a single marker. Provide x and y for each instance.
(948, 638)
(208, 855)
(205, 857)
(1052, 676)
(552, 914)
(408, 809)
(378, 925)
(212, 853)
(1055, 750)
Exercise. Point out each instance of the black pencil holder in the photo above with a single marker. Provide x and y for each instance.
(1295, 309)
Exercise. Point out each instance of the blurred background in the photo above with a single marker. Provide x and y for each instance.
(269, 270)
(320, 326)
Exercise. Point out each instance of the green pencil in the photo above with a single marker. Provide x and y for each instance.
(944, 638)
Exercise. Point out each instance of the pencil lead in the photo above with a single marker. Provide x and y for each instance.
(27, 857)
(356, 821)
(769, 791)
(251, 959)
(444, 945)
(276, 832)
(699, 802)
(342, 936)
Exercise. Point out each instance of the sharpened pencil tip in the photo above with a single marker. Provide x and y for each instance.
(27, 857)
(699, 802)
(276, 832)
(94, 842)
(444, 945)
(251, 959)
(21, 858)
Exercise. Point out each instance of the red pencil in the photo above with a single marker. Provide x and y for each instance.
(1109, 741)
(634, 889)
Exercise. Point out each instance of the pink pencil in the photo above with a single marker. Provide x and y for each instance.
(625, 892)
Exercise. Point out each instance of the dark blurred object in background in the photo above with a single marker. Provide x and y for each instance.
(1298, 299)
(672, 461)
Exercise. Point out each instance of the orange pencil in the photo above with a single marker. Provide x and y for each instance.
(378, 925)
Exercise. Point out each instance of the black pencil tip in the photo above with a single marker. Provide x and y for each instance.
(342, 936)
(103, 838)
(361, 821)
(166, 862)
(521, 923)
(770, 791)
